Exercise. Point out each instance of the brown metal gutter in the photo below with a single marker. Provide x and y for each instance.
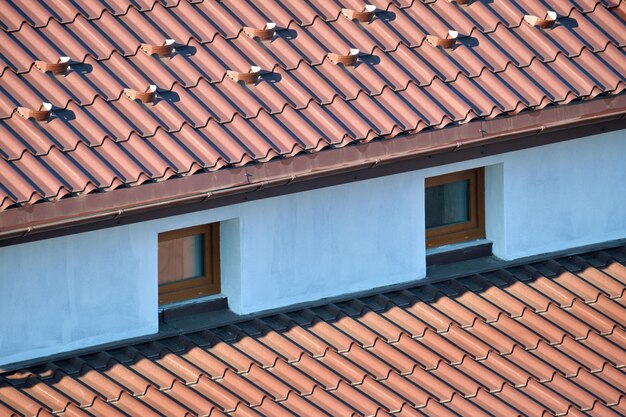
(94, 208)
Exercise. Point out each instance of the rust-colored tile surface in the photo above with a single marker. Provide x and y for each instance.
(536, 340)
(118, 117)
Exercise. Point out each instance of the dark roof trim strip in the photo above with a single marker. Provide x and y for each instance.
(92, 208)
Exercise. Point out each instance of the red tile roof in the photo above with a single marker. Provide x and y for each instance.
(95, 138)
(540, 339)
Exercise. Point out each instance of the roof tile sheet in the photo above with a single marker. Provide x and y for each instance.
(97, 139)
(536, 340)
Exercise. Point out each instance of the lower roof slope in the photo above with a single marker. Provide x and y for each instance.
(540, 339)
(97, 139)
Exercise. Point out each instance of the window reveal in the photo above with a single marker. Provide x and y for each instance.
(455, 207)
(188, 263)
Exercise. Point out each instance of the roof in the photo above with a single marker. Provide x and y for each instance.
(538, 339)
(119, 117)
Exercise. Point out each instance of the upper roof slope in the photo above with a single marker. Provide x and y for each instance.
(98, 139)
(540, 339)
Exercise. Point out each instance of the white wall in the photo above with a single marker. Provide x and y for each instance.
(65, 293)
(553, 197)
(571, 194)
(96, 287)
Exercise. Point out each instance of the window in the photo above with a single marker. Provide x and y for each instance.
(189, 263)
(455, 207)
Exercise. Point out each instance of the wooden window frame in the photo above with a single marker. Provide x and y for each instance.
(472, 229)
(207, 284)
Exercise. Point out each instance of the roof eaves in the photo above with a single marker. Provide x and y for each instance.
(92, 208)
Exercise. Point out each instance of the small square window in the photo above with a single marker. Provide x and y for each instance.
(189, 263)
(455, 207)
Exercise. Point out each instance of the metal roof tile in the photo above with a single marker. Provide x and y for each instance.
(105, 387)
(491, 336)
(476, 346)
(166, 404)
(480, 373)
(79, 393)
(609, 347)
(492, 404)
(461, 405)
(381, 394)
(560, 362)
(505, 366)
(322, 376)
(349, 104)
(298, 381)
(601, 410)
(101, 408)
(598, 385)
(524, 404)
(299, 406)
(615, 270)
(578, 351)
(567, 322)
(355, 399)
(329, 403)
(609, 308)
(549, 398)
(340, 364)
(217, 393)
(457, 381)
(418, 351)
(134, 406)
(192, 400)
(612, 288)
(242, 388)
(268, 383)
(591, 317)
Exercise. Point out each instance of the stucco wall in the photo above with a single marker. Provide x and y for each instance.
(66, 293)
(553, 197)
(571, 194)
(96, 287)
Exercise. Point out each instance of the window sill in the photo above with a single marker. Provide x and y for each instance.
(458, 252)
(180, 309)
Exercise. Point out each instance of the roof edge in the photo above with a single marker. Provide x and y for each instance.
(26, 221)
